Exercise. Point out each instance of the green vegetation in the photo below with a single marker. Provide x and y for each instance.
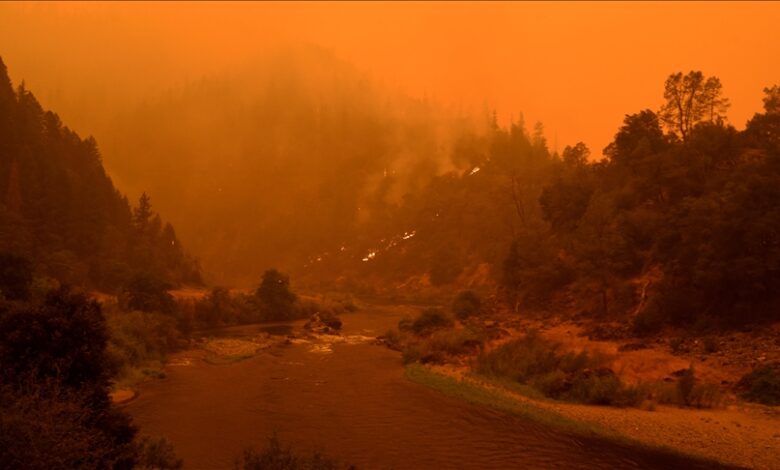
(762, 384)
(492, 396)
(277, 457)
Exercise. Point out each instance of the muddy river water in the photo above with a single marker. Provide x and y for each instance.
(352, 401)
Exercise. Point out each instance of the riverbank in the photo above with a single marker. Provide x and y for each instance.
(744, 436)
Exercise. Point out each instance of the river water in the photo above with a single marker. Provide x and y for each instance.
(352, 402)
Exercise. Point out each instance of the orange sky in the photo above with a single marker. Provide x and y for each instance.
(578, 67)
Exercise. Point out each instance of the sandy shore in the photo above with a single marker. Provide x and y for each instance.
(739, 433)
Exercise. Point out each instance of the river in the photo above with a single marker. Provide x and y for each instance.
(353, 402)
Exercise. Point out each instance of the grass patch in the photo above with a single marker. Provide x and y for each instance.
(474, 393)
(495, 399)
(762, 385)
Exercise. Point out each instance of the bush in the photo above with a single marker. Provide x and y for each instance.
(601, 387)
(762, 384)
(216, 308)
(428, 321)
(466, 304)
(685, 386)
(677, 345)
(439, 347)
(55, 411)
(710, 345)
(578, 377)
(275, 297)
(454, 342)
(277, 457)
(140, 337)
(705, 395)
(147, 293)
(648, 321)
(522, 359)
(392, 339)
(157, 454)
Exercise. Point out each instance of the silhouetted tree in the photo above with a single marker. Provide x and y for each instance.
(691, 98)
(275, 296)
(772, 100)
(55, 411)
(577, 155)
(59, 208)
(147, 293)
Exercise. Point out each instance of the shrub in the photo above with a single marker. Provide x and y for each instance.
(578, 377)
(596, 388)
(412, 352)
(277, 457)
(762, 384)
(157, 454)
(138, 337)
(685, 386)
(215, 308)
(710, 345)
(55, 411)
(705, 395)
(466, 304)
(648, 321)
(454, 342)
(521, 359)
(147, 293)
(275, 297)
(392, 339)
(428, 321)
(437, 348)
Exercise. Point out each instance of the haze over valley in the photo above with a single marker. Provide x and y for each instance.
(375, 235)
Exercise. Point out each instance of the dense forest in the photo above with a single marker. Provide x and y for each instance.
(677, 224)
(60, 210)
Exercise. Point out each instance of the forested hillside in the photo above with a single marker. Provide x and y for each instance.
(677, 224)
(277, 160)
(60, 210)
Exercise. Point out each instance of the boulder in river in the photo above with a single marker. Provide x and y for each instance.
(323, 323)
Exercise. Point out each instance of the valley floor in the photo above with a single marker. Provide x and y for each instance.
(737, 433)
